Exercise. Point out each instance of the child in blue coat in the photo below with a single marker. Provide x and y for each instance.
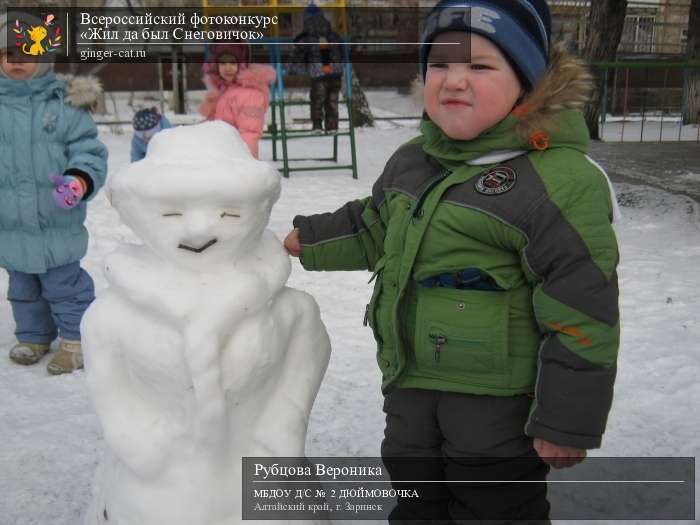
(51, 164)
(146, 123)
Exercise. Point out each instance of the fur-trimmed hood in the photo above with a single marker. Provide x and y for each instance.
(210, 68)
(567, 84)
(82, 91)
(256, 75)
(253, 75)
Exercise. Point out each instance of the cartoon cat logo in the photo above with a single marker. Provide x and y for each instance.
(36, 35)
(30, 39)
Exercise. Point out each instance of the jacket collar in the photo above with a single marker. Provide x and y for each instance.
(47, 85)
(496, 156)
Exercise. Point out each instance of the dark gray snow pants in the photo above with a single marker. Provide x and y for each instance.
(444, 436)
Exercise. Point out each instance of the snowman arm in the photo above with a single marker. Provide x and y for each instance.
(133, 430)
(307, 359)
(283, 425)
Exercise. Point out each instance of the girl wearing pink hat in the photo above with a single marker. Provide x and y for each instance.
(239, 92)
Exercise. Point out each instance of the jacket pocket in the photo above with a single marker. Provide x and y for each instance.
(463, 333)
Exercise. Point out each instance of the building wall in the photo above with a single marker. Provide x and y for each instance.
(670, 19)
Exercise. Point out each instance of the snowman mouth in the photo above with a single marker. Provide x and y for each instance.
(200, 249)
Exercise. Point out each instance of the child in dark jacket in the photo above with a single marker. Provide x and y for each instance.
(495, 307)
(323, 62)
(51, 164)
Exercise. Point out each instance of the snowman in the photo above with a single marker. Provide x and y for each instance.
(197, 354)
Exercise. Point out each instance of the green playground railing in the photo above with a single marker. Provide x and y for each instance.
(279, 130)
(644, 101)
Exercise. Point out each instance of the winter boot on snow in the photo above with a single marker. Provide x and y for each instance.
(68, 358)
(317, 127)
(28, 353)
(331, 125)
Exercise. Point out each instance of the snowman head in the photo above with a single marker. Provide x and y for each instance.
(199, 199)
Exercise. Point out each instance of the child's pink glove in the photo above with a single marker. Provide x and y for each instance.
(68, 192)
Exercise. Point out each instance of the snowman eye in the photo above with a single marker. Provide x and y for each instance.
(227, 214)
(174, 214)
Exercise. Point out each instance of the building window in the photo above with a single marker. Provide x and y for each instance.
(638, 35)
(684, 41)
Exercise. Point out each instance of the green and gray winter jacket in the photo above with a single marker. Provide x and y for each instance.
(533, 236)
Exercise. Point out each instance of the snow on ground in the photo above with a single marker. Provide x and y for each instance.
(651, 128)
(50, 438)
(690, 176)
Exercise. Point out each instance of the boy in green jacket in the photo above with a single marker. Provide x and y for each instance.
(495, 302)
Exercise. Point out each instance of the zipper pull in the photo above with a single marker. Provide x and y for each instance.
(366, 321)
(439, 341)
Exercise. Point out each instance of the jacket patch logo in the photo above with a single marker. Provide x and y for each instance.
(48, 122)
(497, 181)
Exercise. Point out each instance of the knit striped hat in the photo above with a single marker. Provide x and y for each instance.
(520, 28)
(146, 119)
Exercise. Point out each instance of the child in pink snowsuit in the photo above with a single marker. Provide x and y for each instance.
(239, 92)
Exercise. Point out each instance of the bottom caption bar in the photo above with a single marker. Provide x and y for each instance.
(468, 488)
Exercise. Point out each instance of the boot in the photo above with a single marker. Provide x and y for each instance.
(316, 126)
(331, 125)
(331, 104)
(316, 96)
(28, 353)
(67, 359)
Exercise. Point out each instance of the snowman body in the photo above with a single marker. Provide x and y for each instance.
(197, 354)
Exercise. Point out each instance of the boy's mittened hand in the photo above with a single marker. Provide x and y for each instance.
(292, 244)
(558, 456)
(68, 192)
